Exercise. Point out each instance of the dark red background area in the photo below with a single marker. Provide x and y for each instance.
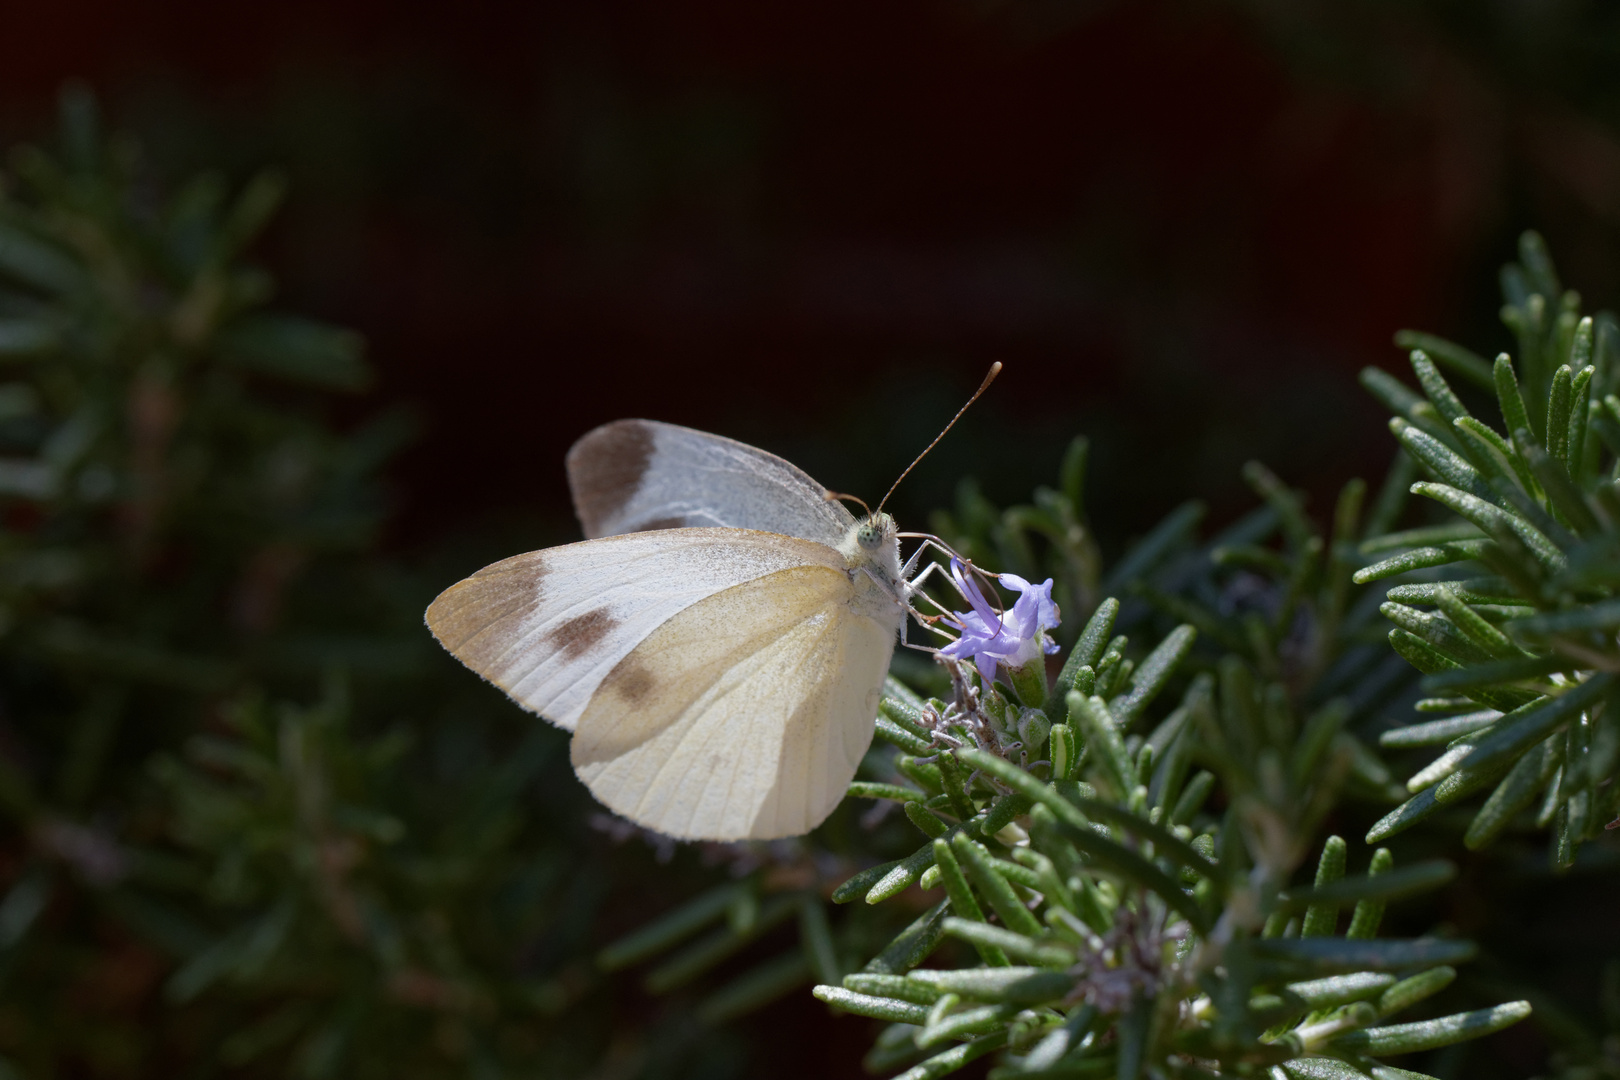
(792, 225)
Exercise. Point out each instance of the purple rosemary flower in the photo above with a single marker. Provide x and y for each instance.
(1015, 637)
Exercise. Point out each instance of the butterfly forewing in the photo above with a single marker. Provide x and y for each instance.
(746, 715)
(547, 626)
(634, 475)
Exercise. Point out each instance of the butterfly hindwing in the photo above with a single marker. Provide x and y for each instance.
(548, 626)
(744, 716)
(634, 475)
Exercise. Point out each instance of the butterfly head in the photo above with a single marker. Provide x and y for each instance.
(871, 534)
(873, 546)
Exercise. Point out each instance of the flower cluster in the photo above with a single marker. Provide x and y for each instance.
(1014, 637)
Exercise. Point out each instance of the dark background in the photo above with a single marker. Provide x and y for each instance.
(1182, 226)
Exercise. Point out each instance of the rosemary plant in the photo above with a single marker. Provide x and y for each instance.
(1086, 911)
(1519, 648)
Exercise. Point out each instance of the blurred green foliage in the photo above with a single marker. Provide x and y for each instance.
(251, 825)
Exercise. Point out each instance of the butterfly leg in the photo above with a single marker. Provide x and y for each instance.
(928, 622)
(929, 541)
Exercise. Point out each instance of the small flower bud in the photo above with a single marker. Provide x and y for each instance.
(1033, 727)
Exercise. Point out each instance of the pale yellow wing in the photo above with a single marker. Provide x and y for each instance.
(546, 627)
(745, 715)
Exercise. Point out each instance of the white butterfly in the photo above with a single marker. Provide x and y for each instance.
(717, 647)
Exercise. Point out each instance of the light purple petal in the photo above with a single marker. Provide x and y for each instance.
(1011, 637)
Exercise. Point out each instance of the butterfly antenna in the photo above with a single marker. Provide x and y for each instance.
(832, 495)
(990, 377)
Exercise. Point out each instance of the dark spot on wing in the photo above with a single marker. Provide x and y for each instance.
(605, 469)
(580, 634)
(631, 681)
(662, 523)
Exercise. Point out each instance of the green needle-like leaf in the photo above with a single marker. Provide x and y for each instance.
(1328, 955)
(1485, 635)
(961, 899)
(1463, 361)
(1494, 521)
(1439, 460)
(1557, 424)
(1424, 557)
(866, 789)
(904, 714)
(1321, 916)
(901, 877)
(1096, 723)
(1322, 1068)
(954, 1058)
(1514, 414)
(1429, 534)
(1065, 751)
(1044, 953)
(1495, 457)
(1512, 735)
(1370, 911)
(1192, 797)
(862, 882)
(1518, 789)
(965, 1024)
(1579, 413)
(1434, 385)
(1023, 783)
(1432, 1034)
(815, 935)
(986, 874)
(913, 944)
(931, 824)
(901, 987)
(1479, 677)
(1553, 476)
(1494, 591)
(1155, 672)
(1419, 877)
(1404, 816)
(1088, 651)
(1019, 985)
(1438, 633)
(1409, 992)
(1342, 989)
(955, 785)
(891, 732)
(879, 1008)
(1436, 732)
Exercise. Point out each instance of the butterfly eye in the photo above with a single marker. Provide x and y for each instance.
(868, 536)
